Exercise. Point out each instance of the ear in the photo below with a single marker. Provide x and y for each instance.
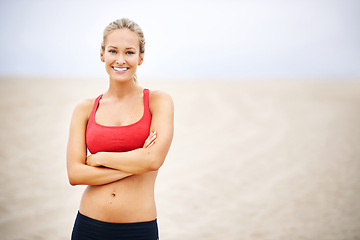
(141, 59)
(102, 58)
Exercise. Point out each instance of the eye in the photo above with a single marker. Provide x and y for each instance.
(112, 51)
(130, 52)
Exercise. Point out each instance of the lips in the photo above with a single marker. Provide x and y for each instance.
(120, 69)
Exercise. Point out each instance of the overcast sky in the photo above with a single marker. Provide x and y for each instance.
(186, 39)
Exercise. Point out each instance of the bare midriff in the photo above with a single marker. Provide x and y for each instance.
(125, 201)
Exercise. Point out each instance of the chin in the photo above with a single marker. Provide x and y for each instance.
(121, 79)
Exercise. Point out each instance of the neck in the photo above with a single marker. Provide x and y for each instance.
(121, 89)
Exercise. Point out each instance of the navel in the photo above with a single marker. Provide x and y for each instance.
(113, 194)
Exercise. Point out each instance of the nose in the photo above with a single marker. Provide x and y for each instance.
(120, 60)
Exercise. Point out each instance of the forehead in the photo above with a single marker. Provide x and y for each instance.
(122, 38)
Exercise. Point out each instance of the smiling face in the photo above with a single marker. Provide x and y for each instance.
(121, 54)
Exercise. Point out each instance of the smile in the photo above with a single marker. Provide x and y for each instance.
(120, 69)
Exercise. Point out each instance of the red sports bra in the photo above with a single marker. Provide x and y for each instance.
(100, 138)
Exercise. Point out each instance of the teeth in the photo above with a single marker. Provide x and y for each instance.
(120, 69)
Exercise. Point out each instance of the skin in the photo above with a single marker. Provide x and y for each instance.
(120, 184)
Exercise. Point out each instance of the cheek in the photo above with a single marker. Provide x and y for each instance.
(133, 61)
(108, 58)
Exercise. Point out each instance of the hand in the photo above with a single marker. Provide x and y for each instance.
(150, 140)
(91, 160)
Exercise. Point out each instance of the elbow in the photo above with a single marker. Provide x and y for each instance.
(76, 182)
(73, 179)
(154, 160)
(155, 163)
(73, 182)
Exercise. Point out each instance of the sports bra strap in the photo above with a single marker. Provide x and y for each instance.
(97, 100)
(96, 104)
(146, 98)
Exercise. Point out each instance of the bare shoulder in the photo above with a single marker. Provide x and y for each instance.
(157, 97)
(83, 109)
(160, 101)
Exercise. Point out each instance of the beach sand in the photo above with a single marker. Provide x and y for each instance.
(252, 160)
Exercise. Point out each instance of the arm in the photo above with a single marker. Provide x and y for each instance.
(145, 159)
(78, 172)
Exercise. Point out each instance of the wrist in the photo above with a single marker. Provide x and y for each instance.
(99, 158)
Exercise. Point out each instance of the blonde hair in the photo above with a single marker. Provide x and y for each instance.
(131, 25)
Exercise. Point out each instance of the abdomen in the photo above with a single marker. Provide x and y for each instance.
(128, 200)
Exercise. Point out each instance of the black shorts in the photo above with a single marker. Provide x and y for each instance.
(86, 228)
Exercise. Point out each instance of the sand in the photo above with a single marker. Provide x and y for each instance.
(252, 160)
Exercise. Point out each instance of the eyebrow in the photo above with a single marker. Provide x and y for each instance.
(125, 48)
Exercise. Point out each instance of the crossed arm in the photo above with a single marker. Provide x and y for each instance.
(106, 167)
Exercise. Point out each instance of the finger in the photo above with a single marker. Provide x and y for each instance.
(152, 143)
(152, 140)
(148, 140)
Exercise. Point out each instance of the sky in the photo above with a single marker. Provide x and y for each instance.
(188, 39)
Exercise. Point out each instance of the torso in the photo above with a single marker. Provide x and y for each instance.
(130, 199)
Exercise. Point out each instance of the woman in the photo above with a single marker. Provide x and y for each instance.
(128, 131)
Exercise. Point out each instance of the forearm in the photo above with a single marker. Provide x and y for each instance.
(88, 175)
(135, 162)
(148, 158)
